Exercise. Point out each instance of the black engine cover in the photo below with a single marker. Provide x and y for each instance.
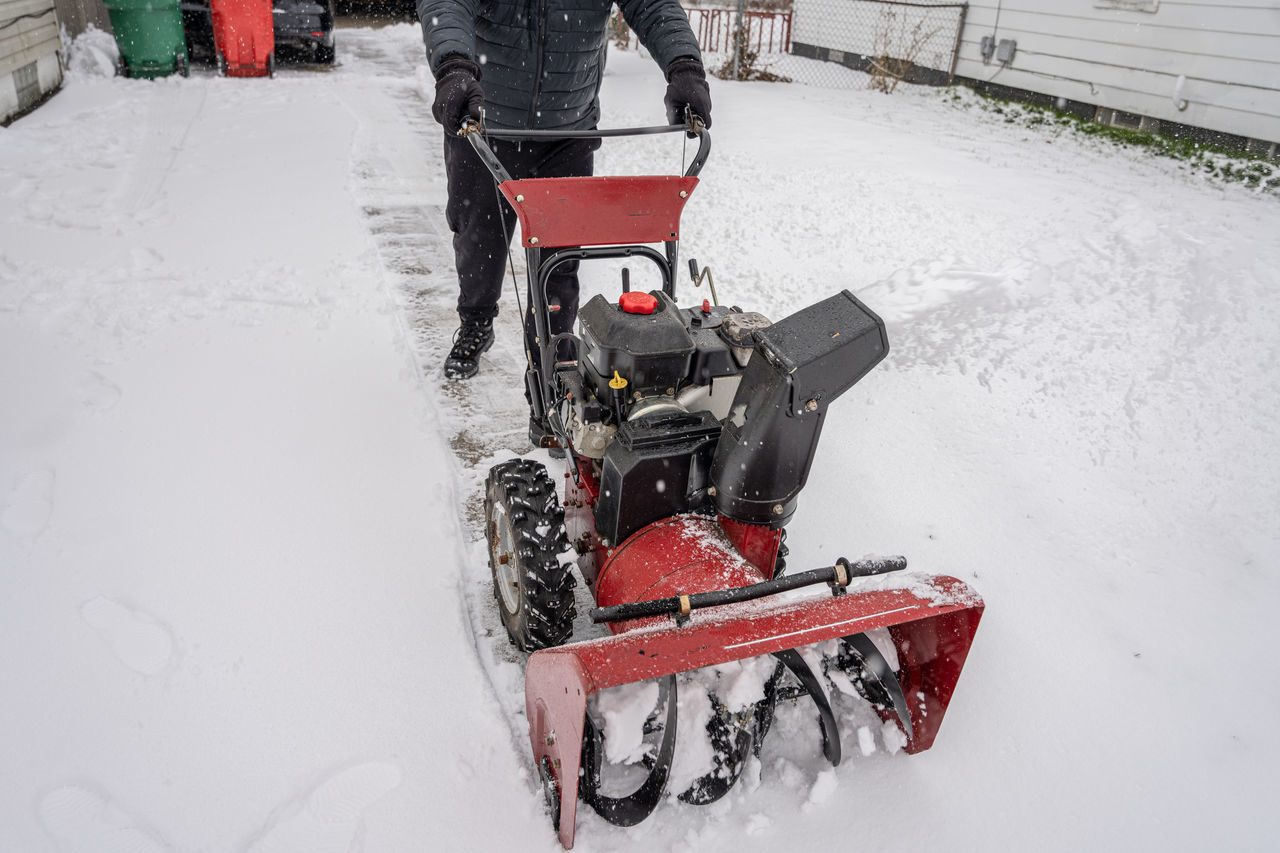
(657, 466)
(650, 351)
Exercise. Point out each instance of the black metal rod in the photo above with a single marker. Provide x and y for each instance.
(678, 604)
(542, 359)
(474, 134)
(486, 155)
(595, 133)
(561, 256)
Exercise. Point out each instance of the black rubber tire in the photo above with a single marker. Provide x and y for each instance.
(271, 65)
(181, 65)
(324, 55)
(524, 525)
(221, 61)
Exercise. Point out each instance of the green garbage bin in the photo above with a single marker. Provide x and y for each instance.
(150, 37)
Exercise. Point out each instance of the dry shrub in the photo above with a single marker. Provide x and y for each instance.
(895, 50)
(619, 31)
(749, 65)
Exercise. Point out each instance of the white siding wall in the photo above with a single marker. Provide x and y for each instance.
(1116, 56)
(8, 97)
(29, 39)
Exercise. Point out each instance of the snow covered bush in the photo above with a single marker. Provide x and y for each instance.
(93, 53)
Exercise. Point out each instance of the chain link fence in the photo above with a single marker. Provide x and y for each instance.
(832, 43)
(915, 42)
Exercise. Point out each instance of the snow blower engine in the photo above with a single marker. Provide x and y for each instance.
(688, 434)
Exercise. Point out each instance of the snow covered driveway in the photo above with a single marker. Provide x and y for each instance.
(230, 611)
(243, 607)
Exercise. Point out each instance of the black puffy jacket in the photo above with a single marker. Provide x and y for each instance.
(541, 60)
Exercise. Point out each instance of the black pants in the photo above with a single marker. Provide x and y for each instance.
(482, 222)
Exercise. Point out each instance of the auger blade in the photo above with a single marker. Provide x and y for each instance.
(731, 746)
(826, 717)
(931, 624)
(638, 805)
(874, 678)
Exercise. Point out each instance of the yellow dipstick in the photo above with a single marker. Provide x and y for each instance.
(617, 383)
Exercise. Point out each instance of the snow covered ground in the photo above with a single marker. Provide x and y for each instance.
(244, 606)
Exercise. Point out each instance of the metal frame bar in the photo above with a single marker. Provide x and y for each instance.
(541, 264)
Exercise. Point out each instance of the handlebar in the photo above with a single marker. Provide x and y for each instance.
(474, 132)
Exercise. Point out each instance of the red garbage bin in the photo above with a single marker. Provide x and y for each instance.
(244, 38)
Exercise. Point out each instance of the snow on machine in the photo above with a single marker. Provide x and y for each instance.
(688, 434)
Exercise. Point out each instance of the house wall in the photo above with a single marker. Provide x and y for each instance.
(1212, 64)
(29, 63)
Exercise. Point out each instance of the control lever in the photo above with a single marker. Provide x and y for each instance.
(699, 276)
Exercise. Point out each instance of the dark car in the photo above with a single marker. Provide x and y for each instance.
(197, 22)
(306, 24)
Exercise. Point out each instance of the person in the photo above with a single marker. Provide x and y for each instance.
(531, 64)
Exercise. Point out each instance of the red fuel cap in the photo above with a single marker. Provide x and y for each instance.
(638, 302)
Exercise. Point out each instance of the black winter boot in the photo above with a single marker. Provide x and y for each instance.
(472, 338)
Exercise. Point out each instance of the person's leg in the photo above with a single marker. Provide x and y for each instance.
(480, 226)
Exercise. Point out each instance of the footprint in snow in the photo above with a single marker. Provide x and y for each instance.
(83, 821)
(329, 818)
(30, 504)
(140, 642)
(98, 393)
(145, 259)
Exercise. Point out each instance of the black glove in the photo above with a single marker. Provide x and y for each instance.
(458, 92)
(687, 87)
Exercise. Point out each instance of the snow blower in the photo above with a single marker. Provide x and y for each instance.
(688, 434)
